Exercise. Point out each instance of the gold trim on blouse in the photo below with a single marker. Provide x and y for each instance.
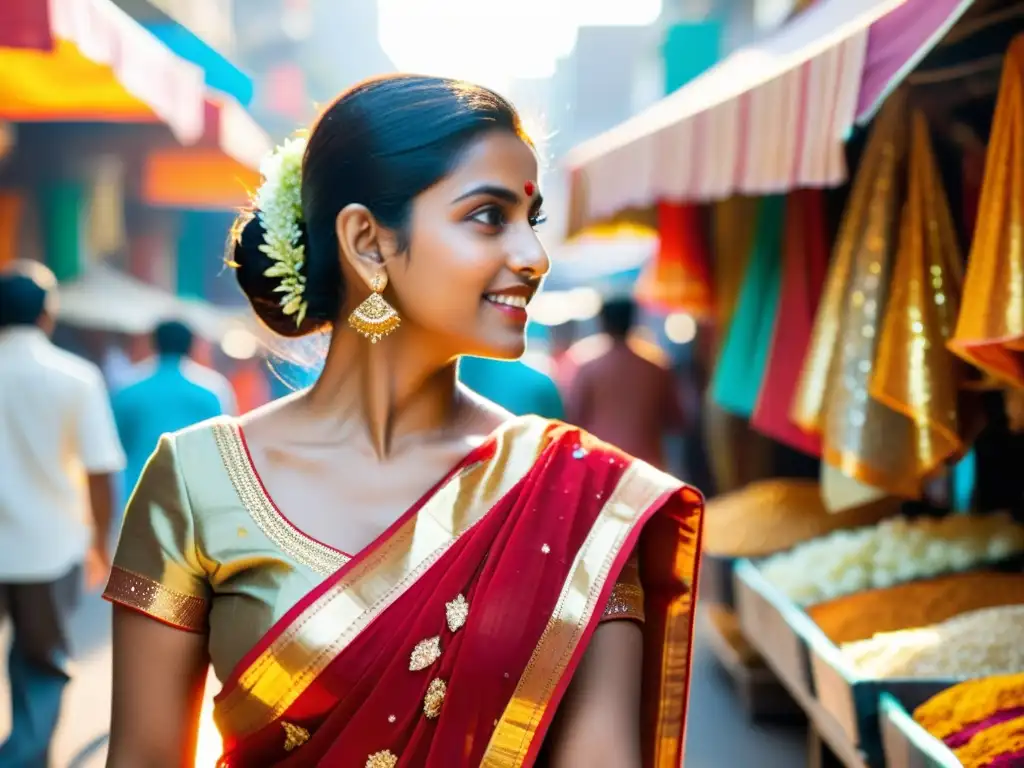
(154, 599)
(317, 557)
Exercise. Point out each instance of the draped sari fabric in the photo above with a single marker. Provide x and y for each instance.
(804, 266)
(450, 641)
(990, 329)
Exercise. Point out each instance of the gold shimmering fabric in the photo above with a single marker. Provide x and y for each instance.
(865, 440)
(990, 330)
(199, 559)
(915, 374)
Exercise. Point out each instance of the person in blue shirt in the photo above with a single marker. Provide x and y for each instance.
(514, 385)
(172, 393)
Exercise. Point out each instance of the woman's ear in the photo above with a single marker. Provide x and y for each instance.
(360, 238)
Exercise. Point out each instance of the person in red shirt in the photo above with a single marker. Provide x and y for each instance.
(624, 396)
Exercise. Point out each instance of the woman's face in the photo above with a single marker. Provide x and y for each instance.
(474, 259)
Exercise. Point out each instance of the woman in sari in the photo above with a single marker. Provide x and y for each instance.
(385, 569)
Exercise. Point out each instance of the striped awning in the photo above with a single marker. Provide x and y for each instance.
(88, 60)
(769, 118)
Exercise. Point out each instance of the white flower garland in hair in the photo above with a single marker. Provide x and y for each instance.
(279, 208)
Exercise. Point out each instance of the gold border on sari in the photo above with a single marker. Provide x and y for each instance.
(279, 676)
(640, 486)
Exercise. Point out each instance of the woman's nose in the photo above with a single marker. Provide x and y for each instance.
(530, 259)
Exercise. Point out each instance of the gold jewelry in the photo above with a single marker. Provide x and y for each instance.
(375, 318)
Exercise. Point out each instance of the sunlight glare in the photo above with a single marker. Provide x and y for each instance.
(494, 43)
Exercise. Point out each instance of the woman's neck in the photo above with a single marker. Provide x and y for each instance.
(397, 388)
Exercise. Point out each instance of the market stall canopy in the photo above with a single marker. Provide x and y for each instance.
(769, 118)
(218, 173)
(106, 299)
(600, 257)
(119, 71)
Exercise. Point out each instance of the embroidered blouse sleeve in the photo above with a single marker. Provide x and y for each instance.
(156, 568)
(627, 598)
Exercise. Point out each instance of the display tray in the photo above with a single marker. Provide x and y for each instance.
(905, 743)
(775, 626)
(716, 580)
(810, 665)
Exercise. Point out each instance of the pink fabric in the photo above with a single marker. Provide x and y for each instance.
(897, 41)
(1009, 760)
(964, 735)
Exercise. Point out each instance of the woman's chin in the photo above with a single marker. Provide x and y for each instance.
(511, 347)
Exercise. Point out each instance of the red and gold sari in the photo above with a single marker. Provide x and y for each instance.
(451, 640)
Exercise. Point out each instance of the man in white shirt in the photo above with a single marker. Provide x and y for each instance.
(59, 453)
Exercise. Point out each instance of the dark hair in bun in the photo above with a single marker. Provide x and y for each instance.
(379, 144)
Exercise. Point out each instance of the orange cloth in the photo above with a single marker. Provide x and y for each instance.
(10, 219)
(990, 329)
(679, 277)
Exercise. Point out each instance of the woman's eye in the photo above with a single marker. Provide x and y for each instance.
(538, 218)
(490, 216)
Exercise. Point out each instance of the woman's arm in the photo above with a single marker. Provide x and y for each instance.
(159, 674)
(598, 723)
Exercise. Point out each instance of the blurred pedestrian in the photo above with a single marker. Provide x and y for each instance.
(174, 392)
(59, 453)
(517, 387)
(622, 397)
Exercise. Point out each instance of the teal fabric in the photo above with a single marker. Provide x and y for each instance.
(964, 478)
(744, 356)
(61, 207)
(190, 272)
(514, 386)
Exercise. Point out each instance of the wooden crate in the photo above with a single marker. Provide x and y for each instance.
(905, 743)
(775, 627)
(853, 700)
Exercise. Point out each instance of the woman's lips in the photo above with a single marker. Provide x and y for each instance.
(510, 305)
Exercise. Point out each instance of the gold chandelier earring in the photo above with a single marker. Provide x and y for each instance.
(375, 318)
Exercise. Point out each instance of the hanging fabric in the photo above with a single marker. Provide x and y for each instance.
(678, 279)
(914, 373)
(865, 443)
(11, 205)
(744, 356)
(105, 217)
(990, 328)
(733, 224)
(61, 206)
(804, 267)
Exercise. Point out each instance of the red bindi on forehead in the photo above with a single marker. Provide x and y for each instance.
(529, 187)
